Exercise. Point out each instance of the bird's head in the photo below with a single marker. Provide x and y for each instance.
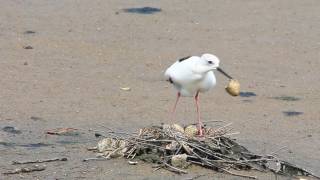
(210, 60)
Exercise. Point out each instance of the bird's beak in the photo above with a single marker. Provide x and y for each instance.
(224, 73)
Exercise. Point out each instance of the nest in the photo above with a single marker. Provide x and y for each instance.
(175, 148)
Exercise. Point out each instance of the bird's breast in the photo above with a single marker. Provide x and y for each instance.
(208, 82)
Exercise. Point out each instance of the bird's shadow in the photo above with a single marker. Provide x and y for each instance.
(247, 94)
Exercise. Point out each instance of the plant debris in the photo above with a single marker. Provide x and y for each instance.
(286, 98)
(174, 148)
(63, 132)
(39, 161)
(26, 170)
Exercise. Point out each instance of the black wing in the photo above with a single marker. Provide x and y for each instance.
(184, 58)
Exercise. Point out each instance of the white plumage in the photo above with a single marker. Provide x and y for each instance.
(192, 75)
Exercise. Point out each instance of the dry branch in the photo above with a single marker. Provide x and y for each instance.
(39, 161)
(25, 170)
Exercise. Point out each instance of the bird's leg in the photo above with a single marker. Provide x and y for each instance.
(173, 112)
(198, 112)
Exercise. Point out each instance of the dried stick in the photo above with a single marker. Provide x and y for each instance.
(116, 132)
(26, 170)
(240, 175)
(211, 121)
(195, 177)
(95, 159)
(280, 149)
(174, 168)
(129, 153)
(110, 154)
(39, 161)
(222, 127)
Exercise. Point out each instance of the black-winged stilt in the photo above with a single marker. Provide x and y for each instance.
(192, 75)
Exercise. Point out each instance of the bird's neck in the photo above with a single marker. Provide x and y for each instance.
(201, 69)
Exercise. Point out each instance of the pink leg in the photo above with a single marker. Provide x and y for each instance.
(198, 111)
(173, 112)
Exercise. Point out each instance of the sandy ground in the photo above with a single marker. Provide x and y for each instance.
(84, 51)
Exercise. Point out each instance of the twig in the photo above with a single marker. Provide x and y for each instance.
(116, 132)
(195, 177)
(240, 175)
(26, 170)
(92, 148)
(211, 121)
(39, 161)
(243, 161)
(227, 134)
(174, 168)
(280, 149)
(178, 150)
(95, 159)
(131, 151)
(157, 168)
(110, 154)
(134, 155)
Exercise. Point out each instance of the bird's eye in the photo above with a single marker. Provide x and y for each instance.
(210, 62)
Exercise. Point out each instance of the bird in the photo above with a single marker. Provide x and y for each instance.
(192, 75)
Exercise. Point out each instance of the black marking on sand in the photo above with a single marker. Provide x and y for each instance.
(184, 58)
(142, 10)
(27, 47)
(11, 129)
(35, 118)
(7, 144)
(292, 113)
(29, 32)
(247, 100)
(247, 94)
(30, 146)
(35, 145)
(286, 98)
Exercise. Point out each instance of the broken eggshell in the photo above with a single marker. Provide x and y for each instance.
(104, 145)
(233, 87)
(110, 144)
(177, 127)
(180, 161)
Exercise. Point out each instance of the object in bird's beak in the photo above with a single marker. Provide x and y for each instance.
(233, 87)
(224, 73)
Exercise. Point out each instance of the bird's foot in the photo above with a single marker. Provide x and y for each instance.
(200, 133)
(200, 130)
